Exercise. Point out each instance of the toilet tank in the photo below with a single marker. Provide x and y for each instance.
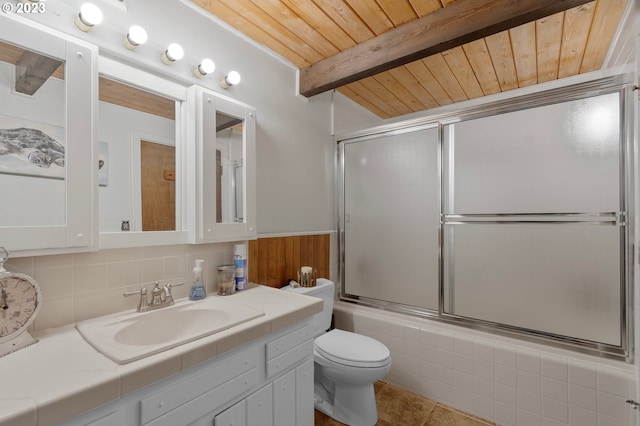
(325, 290)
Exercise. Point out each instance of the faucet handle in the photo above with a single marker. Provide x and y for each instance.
(142, 304)
(167, 291)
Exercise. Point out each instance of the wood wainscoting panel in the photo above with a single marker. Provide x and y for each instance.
(274, 261)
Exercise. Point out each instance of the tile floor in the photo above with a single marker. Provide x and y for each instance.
(398, 407)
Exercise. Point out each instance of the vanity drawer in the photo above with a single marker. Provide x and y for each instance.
(290, 358)
(281, 345)
(194, 410)
(222, 374)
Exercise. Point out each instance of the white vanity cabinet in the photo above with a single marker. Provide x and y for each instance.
(221, 188)
(236, 388)
(260, 407)
(288, 401)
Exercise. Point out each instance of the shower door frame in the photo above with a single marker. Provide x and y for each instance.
(624, 219)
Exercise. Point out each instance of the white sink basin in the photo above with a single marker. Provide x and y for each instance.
(128, 337)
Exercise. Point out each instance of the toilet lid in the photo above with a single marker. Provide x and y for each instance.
(344, 347)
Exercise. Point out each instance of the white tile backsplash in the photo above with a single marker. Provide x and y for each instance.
(504, 380)
(80, 286)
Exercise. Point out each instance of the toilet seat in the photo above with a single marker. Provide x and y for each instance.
(352, 349)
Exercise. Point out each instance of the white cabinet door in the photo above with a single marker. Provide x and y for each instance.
(260, 407)
(284, 400)
(55, 126)
(222, 161)
(304, 394)
(232, 416)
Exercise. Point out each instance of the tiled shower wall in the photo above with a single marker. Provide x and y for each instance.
(511, 382)
(86, 285)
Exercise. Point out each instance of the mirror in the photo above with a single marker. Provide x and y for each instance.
(137, 159)
(140, 183)
(32, 137)
(47, 107)
(222, 207)
(229, 169)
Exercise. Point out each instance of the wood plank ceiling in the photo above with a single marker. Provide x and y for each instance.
(307, 31)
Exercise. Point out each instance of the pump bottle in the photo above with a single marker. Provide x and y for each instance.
(198, 290)
(240, 261)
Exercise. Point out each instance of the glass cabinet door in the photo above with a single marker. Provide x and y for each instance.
(47, 171)
(224, 154)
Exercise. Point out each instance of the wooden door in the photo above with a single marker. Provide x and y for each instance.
(158, 186)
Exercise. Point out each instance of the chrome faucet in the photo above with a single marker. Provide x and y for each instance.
(160, 297)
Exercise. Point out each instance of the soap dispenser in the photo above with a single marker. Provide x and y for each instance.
(198, 290)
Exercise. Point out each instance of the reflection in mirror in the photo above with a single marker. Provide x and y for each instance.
(138, 152)
(229, 169)
(32, 138)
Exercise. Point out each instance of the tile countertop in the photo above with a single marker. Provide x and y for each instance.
(62, 376)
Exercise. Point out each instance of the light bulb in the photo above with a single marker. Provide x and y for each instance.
(230, 79)
(207, 66)
(135, 37)
(173, 53)
(89, 16)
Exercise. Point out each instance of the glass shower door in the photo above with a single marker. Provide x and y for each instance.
(533, 225)
(391, 218)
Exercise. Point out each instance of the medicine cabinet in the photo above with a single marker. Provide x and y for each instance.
(222, 197)
(47, 164)
(140, 157)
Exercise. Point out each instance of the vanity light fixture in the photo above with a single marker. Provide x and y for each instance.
(173, 53)
(89, 16)
(135, 37)
(230, 79)
(206, 66)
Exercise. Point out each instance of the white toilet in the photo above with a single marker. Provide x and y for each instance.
(346, 365)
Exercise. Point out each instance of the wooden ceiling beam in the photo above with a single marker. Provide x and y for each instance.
(459, 23)
(32, 70)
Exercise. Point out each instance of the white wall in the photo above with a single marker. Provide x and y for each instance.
(348, 116)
